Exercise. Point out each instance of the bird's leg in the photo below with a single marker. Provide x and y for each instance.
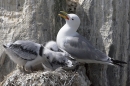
(28, 67)
(23, 69)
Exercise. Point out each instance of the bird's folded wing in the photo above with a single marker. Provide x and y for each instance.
(80, 48)
(26, 49)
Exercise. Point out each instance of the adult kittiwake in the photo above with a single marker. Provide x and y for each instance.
(77, 46)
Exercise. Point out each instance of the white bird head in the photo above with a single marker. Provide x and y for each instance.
(52, 45)
(71, 19)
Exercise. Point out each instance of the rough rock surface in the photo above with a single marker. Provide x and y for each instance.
(48, 78)
(106, 23)
(26, 20)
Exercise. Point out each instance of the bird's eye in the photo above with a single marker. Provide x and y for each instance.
(47, 57)
(72, 19)
(51, 49)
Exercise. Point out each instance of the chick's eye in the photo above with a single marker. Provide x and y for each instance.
(72, 19)
(51, 49)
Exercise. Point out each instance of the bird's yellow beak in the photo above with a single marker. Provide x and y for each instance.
(64, 15)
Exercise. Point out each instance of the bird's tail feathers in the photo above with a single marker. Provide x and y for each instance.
(118, 62)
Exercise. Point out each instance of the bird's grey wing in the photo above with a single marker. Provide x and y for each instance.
(29, 45)
(57, 59)
(80, 48)
(25, 49)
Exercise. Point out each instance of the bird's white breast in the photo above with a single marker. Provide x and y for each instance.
(60, 41)
(62, 35)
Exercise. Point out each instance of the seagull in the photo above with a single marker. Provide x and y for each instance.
(78, 46)
(56, 57)
(27, 54)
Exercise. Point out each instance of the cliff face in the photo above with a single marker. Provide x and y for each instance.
(104, 22)
(26, 20)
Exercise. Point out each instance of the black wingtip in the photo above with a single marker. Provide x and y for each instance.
(118, 62)
(4, 46)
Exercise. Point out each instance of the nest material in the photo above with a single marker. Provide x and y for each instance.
(48, 78)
